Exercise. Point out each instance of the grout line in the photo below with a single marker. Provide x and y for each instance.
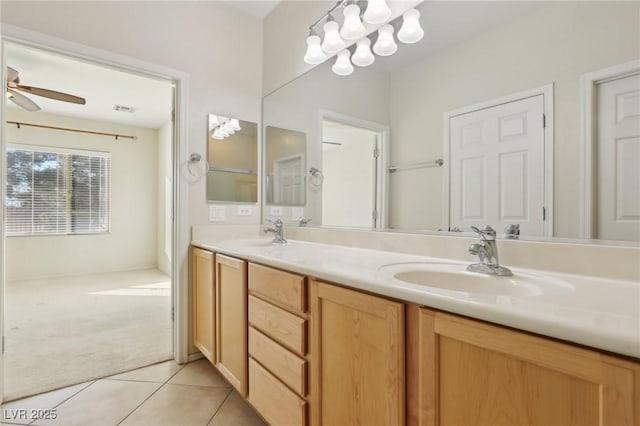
(33, 422)
(141, 403)
(220, 407)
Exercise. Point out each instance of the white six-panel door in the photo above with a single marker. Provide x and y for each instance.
(497, 167)
(618, 159)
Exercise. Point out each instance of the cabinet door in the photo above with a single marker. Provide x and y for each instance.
(490, 375)
(357, 356)
(231, 320)
(203, 305)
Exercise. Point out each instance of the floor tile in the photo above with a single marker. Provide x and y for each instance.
(236, 412)
(104, 403)
(200, 373)
(10, 411)
(159, 373)
(182, 405)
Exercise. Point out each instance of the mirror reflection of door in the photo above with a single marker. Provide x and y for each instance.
(350, 165)
(618, 159)
(288, 185)
(497, 167)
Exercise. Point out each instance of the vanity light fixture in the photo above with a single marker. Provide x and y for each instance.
(226, 128)
(343, 64)
(332, 42)
(385, 45)
(352, 28)
(377, 13)
(410, 32)
(363, 57)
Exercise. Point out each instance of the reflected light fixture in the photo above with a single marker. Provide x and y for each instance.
(385, 45)
(410, 32)
(226, 128)
(377, 12)
(352, 28)
(343, 64)
(363, 57)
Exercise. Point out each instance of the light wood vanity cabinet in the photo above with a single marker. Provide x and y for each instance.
(358, 358)
(278, 329)
(231, 320)
(471, 373)
(203, 302)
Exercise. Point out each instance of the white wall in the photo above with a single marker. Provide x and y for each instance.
(218, 45)
(164, 205)
(131, 242)
(554, 44)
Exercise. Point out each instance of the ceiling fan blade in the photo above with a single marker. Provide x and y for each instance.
(22, 101)
(12, 75)
(52, 94)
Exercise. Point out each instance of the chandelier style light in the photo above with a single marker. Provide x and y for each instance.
(336, 40)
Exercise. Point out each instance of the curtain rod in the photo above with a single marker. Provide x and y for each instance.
(115, 135)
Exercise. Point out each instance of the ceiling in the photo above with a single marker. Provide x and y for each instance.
(257, 9)
(101, 86)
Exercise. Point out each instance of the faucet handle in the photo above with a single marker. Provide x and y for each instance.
(277, 222)
(485, 232)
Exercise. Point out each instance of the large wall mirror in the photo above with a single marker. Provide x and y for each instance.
(232, 156)
(504, 113)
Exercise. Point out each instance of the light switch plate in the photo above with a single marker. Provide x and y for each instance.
(275, 211)
(297, 213)
(245, 210)
(217, 213)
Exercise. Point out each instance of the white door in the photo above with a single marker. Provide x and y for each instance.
(618, 159)
(289, 181)
(497, 167)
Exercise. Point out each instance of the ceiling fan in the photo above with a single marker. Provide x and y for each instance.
(14, 86)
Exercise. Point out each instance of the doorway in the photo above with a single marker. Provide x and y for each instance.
(352, 161)
(88, 246)
(611, 152)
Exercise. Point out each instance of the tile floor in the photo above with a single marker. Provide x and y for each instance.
(165, 394)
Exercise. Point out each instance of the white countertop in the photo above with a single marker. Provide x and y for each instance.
(597, 312)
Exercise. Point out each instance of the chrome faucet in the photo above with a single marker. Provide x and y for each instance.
(277, 231)
(487, 253)
(304, 222)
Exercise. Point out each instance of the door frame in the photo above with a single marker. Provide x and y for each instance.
(588, 137)
(547, 96)
(180, 225)
(382, 175)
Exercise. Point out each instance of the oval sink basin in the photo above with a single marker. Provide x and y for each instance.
(454, 277)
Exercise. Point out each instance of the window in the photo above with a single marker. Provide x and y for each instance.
(56, 191)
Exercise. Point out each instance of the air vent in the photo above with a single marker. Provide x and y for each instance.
(123, 108)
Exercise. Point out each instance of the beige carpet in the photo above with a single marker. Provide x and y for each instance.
(69, 330)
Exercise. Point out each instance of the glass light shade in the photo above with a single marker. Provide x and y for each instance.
(343, 64)
(385, 45)
(377, 12)
(234, 123)
(363, 57)
(228, 128)
(332, 42)
(314, 55)
(410, 32)
(217, 134)
(222, 131)
(352, 28)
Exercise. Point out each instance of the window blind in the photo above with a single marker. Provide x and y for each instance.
(56, 192)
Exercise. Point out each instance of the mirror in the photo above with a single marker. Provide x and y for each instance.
(483, 121)
(232, 156)
(285, 154)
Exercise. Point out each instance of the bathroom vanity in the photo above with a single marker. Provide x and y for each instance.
(321, 334)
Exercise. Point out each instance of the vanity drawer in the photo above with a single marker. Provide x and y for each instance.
(273, 400)
(286, 366)
(283, 326)
(279, 286)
